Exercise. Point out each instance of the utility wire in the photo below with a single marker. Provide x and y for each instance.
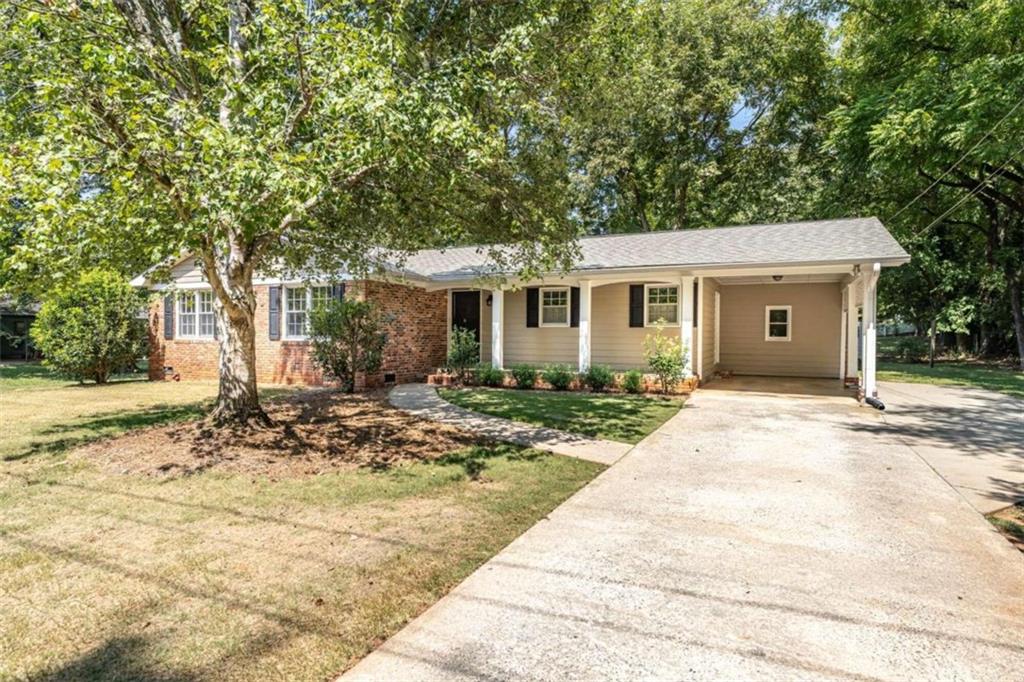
(981, 186)
(960, 160)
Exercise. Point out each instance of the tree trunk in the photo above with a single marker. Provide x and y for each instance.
(234, 304)
(1018, 318)
(931, 343)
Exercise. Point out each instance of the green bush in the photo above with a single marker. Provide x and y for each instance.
(525, 375)
(490, 376)
(598, 378)
(664, 356)
(346, 337)
(464, 352)
(92, 328)
(633, 381)
(910, 348)
(559, 377)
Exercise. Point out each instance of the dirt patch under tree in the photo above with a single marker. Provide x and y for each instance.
(314, 432)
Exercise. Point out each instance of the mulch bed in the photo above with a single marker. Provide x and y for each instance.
(314, 432)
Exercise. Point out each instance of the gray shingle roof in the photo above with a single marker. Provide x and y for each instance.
(849, 240)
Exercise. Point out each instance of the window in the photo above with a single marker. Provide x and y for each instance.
(195, 314)
(554, 307)
(187, 314)
(206, 319)
(298, 301)
(662, 304)
(777, 321)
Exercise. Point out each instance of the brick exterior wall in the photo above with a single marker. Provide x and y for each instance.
(416, 327)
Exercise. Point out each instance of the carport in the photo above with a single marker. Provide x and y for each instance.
(773, 328)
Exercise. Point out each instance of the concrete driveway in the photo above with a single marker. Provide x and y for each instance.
(753, 536)
(971, 437)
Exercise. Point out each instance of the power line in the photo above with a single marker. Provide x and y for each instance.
(960, 160)
(981, 186)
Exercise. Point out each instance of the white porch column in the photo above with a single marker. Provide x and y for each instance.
(870, 329)
(844, 313)
(851, 329)
(698, 361)
(686, 323)
(584, 341)
(497, 328)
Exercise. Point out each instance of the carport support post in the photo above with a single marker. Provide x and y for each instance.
(851, 329)
(686, 324)
(584, 341)
(497, 328)
(870, 329)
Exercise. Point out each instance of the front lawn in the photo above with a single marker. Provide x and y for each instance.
(176, 553)
(622, 418)
(990, 377)
(1010, 522)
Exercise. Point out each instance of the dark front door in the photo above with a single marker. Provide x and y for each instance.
(466, 311)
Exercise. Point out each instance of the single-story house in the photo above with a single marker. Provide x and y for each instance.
(775, 300)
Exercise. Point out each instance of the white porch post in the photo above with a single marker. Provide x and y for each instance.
(870, 329)
(584, 340)
(851, 329)
(844, 313)
(698, 363)
(686, 323)
(497, 328)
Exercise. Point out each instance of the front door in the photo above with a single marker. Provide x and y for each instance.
(466, 311)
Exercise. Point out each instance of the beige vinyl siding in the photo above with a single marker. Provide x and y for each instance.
(536, 345)
(612, 341)
(188, 273)
(708, 327)
(814, 348)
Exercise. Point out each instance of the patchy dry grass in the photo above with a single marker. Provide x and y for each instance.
(230, 573)
(1010, 522)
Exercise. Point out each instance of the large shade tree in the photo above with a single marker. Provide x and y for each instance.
(932, 129)
(275, 134)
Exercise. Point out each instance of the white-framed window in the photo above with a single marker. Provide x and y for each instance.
(554, 307)
(661, 302)
(778, 322)
(195, 314)
(298, 302)
(207, 322)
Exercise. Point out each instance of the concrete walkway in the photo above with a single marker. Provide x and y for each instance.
(422, 400)
(973, 438)
(751, 537)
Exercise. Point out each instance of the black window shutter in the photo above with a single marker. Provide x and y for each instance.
(169, 316)
(274, 310)
(338, 292)
(533, 307)
(574, 307)
(636, 305)
(696, 295)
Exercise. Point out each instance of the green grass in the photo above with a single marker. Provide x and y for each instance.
(220, 576)
(993, 378)
(622, 418)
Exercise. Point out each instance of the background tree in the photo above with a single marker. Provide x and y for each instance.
(695, 113)
(267, 135)
(933, 123)
(93, 327)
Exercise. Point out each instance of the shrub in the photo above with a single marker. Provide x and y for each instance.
(559, 377)
(664, 358)
(598, 378)
(346, 337)
(633, 381)
(92, 328)
(525, 375)
(490, 376)
(911, 348)
(464, 351)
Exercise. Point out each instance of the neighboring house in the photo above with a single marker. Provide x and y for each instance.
(15, 319)
(777, 300)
